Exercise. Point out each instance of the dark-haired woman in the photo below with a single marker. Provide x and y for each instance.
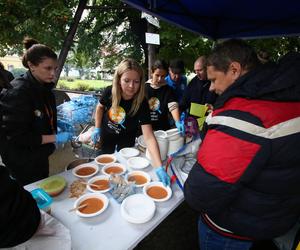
(162, 99)
(29, 116)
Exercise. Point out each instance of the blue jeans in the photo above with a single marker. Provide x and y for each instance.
(211, 240)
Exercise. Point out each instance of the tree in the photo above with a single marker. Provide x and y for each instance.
(109, 30)
(46, 21)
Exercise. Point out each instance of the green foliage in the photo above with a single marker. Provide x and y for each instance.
(277, 47)
(178, 43)
(109, 30)
(83, 85)
(62, 85)
(46, 21)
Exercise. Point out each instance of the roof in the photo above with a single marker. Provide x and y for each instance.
(220, 19)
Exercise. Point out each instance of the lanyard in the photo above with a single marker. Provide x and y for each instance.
(49, 113)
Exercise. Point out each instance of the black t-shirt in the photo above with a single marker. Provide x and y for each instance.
(158, 100)
(198, 92)
(120, 127)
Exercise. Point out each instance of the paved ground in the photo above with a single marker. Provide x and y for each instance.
(179, 232)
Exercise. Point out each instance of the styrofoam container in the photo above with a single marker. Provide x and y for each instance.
(137, 208)
(163, 144)
(176, 141)
(141, 141)
(138, 162)
(102, 197)
(129, 152)
(173, 134)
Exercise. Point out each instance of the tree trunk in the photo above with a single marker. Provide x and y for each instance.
(69, 38)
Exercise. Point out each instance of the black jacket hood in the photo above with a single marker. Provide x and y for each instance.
(272, 81)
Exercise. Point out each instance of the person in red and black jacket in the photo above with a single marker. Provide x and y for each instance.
(245, 183)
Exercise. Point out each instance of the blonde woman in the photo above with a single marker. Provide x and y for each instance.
(120, 112)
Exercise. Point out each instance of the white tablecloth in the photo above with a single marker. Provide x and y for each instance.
(108, 230)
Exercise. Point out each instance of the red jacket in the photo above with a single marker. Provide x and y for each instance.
(248, 166)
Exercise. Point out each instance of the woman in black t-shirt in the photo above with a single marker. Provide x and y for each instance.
(121, 110)
(162, 99)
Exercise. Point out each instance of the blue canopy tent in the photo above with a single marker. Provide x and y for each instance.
(220, 19)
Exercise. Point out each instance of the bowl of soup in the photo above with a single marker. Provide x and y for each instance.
(157, 191)
(91, 204)
(140, 178)
(105, 159)
(114, 168)
(85, 170)
(99, 184)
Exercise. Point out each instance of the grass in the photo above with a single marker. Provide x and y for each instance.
(83, 84)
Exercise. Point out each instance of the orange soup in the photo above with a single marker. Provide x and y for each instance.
(103, 185)
(157, 192)
(93, 205)
(114, 170)
(85, 171)
(138, 179)
(105, 160)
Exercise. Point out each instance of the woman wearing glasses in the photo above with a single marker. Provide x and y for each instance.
(120, 112)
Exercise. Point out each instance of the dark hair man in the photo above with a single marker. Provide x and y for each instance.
(245, 182)
(176, 78)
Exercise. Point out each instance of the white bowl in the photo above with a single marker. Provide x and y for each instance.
(140, 173)
(99, 159)
(138, 162)
(84, 197)
(157, 184)
(129, 152)
(81, 167)
(137, 208)
(97, 178)
(106, 167)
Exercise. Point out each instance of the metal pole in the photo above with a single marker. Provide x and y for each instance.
(151, 50)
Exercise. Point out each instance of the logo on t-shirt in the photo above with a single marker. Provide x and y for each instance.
(154, 104)
(117, 116)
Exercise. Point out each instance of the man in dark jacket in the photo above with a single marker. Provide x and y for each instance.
(197, 91)
(19, 214)
(245, 183)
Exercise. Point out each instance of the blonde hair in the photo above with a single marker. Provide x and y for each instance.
(124, 66)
